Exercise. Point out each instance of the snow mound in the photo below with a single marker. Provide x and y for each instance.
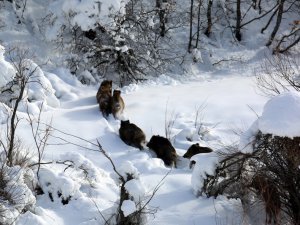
(281, 116)
(128, 207)
(90, 172)
(39, 87)
(135, 189)
(4, 113)
(128, 169)
(58, 185)
(7, 72)
(206, 164)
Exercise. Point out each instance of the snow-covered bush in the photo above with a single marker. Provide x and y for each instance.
(39, 87)
(116, 39)
(132, 206)
(24, 72)
(65, 185)
(266, 166)
(7, 72)
(85, 168)
(205, 167)
(58, 185)
(15, 196)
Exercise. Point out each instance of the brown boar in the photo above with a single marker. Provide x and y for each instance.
(132, 135)
(104, 97)
(163, 149)
(118, 104)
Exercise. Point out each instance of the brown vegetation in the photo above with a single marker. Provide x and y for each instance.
(269, 174)
(269, 194)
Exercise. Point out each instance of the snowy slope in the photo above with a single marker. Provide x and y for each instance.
(145, 106)
(222, 87)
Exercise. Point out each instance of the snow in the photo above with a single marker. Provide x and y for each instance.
(127, 168)
(75, 170)
(89, 180)
(281, 116)
(247, 138)
(7, 72)
(39, 87)
(20, 196)
(128, 207)
(89, 13)
(205, 165)
(135, 189)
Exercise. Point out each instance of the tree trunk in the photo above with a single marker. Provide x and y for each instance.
(191, 27)
(259, 6)
(269, 21)
(278, 22)
(198, 23)
(288, 47)
(208, 16)
(162, 17)
(254, 4)
(13, 123)
(238, 21)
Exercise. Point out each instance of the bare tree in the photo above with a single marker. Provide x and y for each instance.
(278, 22)
(198, 23)
(278, 74)
(22, 78)
(237, 30)
(208, 16)
(191, 27)
(161, 6)
(289, 40)
(40, 136)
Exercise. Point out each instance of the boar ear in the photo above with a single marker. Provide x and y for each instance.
(110, 82)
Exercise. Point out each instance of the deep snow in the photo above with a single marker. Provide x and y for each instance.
(225, 94)
(145, 106)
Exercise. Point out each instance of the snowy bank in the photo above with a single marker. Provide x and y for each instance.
(280, 117)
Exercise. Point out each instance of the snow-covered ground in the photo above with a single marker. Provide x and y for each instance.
(208, 104)
(229, 105)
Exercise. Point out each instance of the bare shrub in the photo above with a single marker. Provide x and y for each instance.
(142, 205)
(269, 174)
(278, 74)
(170, 119)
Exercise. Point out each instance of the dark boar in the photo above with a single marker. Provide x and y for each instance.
(132, 135)
(163, 149)
(196, 149)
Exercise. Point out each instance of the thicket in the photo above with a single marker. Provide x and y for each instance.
(141, 39)
(270, 173)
